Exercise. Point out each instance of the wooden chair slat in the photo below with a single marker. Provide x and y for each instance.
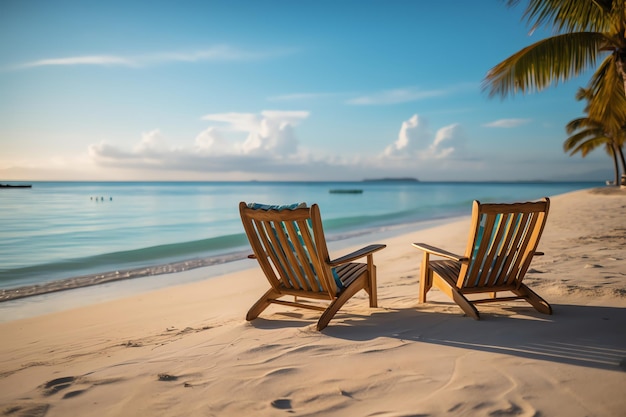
(516, 249)
(263, 251)
(302, 262)
(278, 256)
(497, 273)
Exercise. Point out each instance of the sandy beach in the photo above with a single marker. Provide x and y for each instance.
(188, 351)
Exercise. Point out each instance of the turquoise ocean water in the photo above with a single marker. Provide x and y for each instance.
(59, 230)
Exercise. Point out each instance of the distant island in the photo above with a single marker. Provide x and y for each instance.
(399, 179)
(15, 186)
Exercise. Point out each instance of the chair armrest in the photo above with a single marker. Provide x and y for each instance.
(439, 252)
(368, 250)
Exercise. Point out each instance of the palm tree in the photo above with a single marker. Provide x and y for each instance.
(586, 135)
(585, 30)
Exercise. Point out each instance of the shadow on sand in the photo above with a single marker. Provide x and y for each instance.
(588, 336)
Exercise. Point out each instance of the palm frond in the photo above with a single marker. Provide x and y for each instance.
(583, 94)
(608, 101)
(587, 135)
(544, 63)
(568, 15)
(583, 122)
(617, 16)
(585, 146)
(573, 125)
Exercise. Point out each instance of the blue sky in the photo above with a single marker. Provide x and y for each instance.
(274, 90)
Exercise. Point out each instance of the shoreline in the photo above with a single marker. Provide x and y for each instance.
(71, 283)
(184, 349)
(90, 243)
(83, 281)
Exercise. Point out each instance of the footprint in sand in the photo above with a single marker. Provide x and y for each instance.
(80, 385)
(73, 393)
(59, 384)
(167, 377)
(282, 404)
(56, 385)
(514, 410)
(25, 410)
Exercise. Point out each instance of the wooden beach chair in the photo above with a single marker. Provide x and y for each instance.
(502, 241)
(289, 244)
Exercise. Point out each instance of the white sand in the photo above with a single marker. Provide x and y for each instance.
(187, 350)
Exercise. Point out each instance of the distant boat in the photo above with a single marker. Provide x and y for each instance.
(392, 179)
(15, 186)
(349, 191)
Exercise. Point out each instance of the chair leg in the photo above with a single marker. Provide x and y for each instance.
(262, 304)
(453, 292)
(371, 288)
(534, 299)
(336, 304)
(426, 278)
(465, 304)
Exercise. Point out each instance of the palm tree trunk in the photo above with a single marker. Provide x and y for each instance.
(618, 150)
(620, 61)
(615, 166)
(621, 155)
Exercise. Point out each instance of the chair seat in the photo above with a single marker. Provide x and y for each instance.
(448, 270)
(349, 272)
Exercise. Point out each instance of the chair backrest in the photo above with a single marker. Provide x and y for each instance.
(502, 242)
(291, 249)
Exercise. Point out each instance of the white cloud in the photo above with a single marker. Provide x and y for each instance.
(300, 96)
(449, 141)
(81, 60)
(215, 53)
(270, 140)
(399, 95)
(264, 145)
(293, 117)
(273, 137)
(507, 123)
(404, 95)
(240, 122)
(414, 134)
(211, 142)
(270, 132)
(152, 143)
(416, 142)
